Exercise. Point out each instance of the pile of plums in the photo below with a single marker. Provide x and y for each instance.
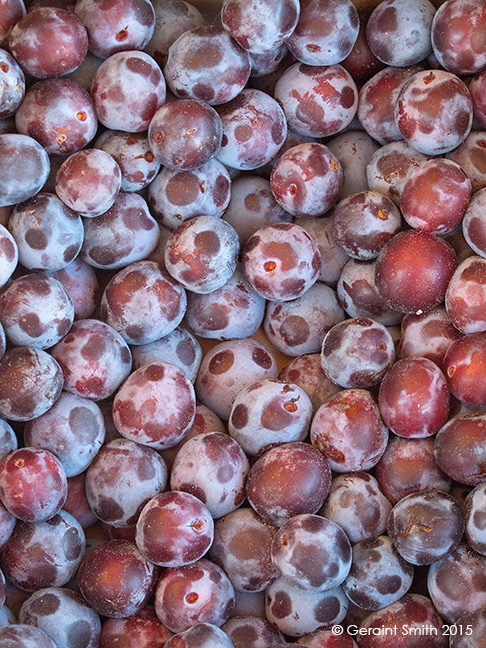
(242, 324)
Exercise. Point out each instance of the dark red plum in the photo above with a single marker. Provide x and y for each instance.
(213, 467)
(228, 368)
(254, 129)
(379, 576)
(172, 19)
(291, 479)
(94, 359)
(49, 235)
(296, 612)
(398, 31)
(201, 253)
(230, 312)
(155, 406)
(363, 223)
(73, 430)
(185, 134)
(425, 526)
(434, 111)
(357, 504)
(175, 196)
(196, 593)
(131, 151)
(317, 100)
(63, 615)
(436, 196)
(31, 381)
(12, 85)
(414, 398)
(127, 90)
(88, 182)
(128, 25)
(325, 33)
(122, 478)
(411, 622)
(456, 583)
(306, 180)
(299, 326)
(206, 63)
(115, 579)
(458, 36)
(49, 42)
(260, 27)
(81, 285)
(281, 262)
(44, 554)
(40, 477)
(124, 234)
(312, 553)
(349, 431)
(357, 352)
(36, 311)
(174, 529)
(140, 630)
(242, 547)
(143, 303)
(408, 466)
(59, 114)
(413, 271)
(459, 448)
(269, 413)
